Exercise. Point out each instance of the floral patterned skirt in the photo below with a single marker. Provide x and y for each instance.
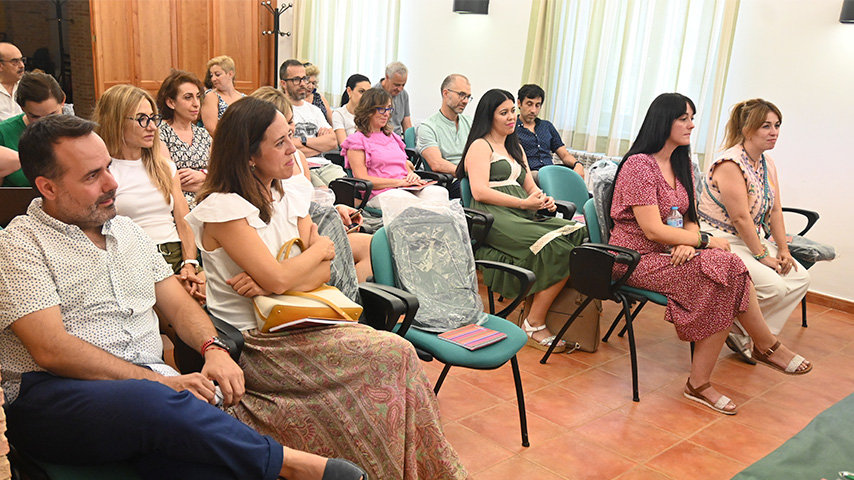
(347, 391)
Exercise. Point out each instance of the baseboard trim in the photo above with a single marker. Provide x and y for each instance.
(835, 303)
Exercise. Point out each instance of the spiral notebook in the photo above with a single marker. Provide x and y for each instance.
(473, 336)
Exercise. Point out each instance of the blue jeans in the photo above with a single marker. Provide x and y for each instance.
(164, 433)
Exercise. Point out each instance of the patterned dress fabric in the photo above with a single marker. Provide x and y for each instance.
(194, 155)
(541, 245)
(705, 293)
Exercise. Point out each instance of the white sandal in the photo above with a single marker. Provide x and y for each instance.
(545, 343)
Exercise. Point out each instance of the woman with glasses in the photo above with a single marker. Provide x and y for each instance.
(501, 184)
(221, 71)
(317, 99)
(149, 190)
(377, 154)
(187, 144)
(342, 390)
(343, 119)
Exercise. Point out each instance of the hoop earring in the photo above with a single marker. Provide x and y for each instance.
(252, 167)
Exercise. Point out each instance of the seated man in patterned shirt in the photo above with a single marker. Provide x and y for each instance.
(539, 137)
(79, 342)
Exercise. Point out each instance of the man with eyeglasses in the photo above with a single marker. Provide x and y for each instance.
(38, 95)
(442, 137)
(539, 137)
(314, 133)
(11, 70)
(396, 75)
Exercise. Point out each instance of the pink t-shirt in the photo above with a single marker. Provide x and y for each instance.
(385, 156)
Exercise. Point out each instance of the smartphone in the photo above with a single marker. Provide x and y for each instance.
(355, 214)
(353, 227)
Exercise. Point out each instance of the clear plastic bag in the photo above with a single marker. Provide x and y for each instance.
(432, 256)
(811, 251)
(602, 177)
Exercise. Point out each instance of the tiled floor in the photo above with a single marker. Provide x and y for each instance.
(583, 424)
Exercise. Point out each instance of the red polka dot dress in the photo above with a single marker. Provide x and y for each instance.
(705, 293)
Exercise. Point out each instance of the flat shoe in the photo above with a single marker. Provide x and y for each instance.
(545, 343)
(740, 344)
(791, 368)
(341, 469)
(696, 395)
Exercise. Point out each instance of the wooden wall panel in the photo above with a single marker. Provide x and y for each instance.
(155, 55)
(194, 36)
(112, 32)
(237, 33)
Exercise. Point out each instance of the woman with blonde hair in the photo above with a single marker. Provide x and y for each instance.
(317, 99)
(739, 201)
(187, 144)
(149, 190)
(221, 71)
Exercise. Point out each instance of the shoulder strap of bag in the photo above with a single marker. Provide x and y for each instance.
(285, 251)
(320, 299)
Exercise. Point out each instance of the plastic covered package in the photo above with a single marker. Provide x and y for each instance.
(602, 175)
(811, 251)
(432, 256)
(342, 268)
(323, 196)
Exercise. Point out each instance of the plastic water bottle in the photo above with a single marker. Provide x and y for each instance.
(674, 219)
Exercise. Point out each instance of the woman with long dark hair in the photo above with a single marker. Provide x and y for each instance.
(343, 119)
(501, 184)
(343, 390)
(706, 286)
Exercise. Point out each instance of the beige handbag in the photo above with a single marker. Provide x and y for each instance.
(584, 330)
(323, 305)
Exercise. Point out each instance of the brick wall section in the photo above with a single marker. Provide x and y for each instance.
(82, 63)
(28, 25)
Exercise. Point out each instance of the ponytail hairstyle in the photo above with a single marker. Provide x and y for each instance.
(745, 118)
(114, 108)
(652, 137)
(481, 125)
(354, 79)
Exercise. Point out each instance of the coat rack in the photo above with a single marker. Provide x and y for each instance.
(277, 13)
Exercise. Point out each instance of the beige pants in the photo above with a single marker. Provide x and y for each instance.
(429, 193)
(778, 294)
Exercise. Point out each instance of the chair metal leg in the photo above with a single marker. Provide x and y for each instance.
(804, 312)
(441, 379)
(520, 399)
(632, 350)
(565, 327)
(634, 315)
(613, 326)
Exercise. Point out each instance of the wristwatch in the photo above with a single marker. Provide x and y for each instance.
(704, 240)
(303, 140)
(215, 342)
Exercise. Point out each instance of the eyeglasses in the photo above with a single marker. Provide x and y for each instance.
(15, 61)
(144, 120)
(297, 80)
(383, 110)
(463, 96)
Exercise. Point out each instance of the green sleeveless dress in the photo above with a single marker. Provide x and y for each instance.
(541, 246)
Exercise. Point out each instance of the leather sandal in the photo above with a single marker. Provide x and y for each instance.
(341, 469)
(545, 343)
(696, 395)
(791, 368)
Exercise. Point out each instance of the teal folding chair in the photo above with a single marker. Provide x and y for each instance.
(633, 294)
(563, 183)
(487, 358)
(409, 137)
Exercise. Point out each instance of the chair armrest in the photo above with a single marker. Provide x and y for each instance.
(479, 224)
(565, 208)
(625, 256)
(385, 304)
(345, 189)
(810, 215)
(415, 158)
(526, 280)
(443, 179)
(230, 335)
(335, 157)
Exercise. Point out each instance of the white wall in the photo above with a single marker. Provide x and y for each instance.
(435, 42)
(796, 54)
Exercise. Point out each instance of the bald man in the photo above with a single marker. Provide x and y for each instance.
(11, 70)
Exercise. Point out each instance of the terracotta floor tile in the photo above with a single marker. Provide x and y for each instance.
(668, 352)
(603, 387)
(771, 418)
(650, 373)
(578, 458)
(516, 468)
(564, 407)
(677, 417)
(676, 388)
(559, 366)
(501, 425)
(643, 473)
(605, 353)
(636, 440)
(750, 380)
(476, 452)
(688, 460)
(458, 399)
(792, 394)
(815, 343)
(734, 440)
(499, 382)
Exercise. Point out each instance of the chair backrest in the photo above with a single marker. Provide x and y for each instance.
(592, 222)
(465, 192)
(14, 201)
(563, 183)
(381, 264)
(597, 265)
(409, 137)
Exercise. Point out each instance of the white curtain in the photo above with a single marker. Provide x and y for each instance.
(343, 37)
(602, 62)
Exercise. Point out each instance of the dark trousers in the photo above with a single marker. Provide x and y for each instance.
(164, 433)
(454, 189)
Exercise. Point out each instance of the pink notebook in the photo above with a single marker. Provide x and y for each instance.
(473, 337)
